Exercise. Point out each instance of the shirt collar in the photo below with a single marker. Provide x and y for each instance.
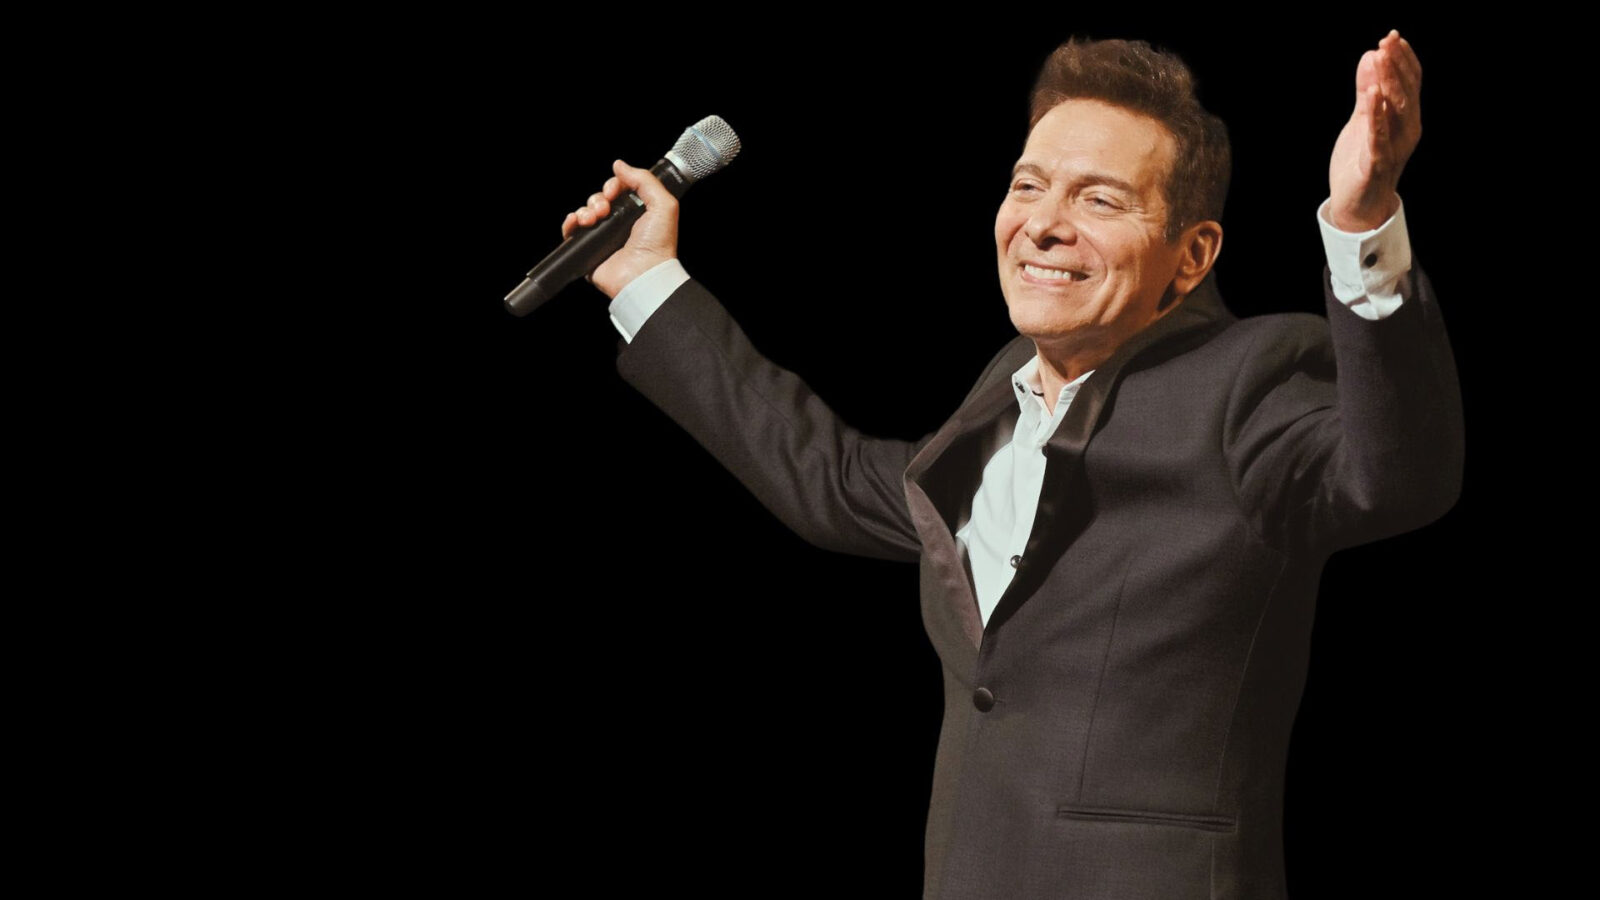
(1026, 385)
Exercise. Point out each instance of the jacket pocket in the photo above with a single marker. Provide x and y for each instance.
(1147, 817)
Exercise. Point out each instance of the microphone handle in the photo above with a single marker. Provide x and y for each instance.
(587, 248)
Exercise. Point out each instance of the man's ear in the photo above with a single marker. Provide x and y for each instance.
(1200, 244)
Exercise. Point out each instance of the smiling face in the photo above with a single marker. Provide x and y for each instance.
(1084, 262)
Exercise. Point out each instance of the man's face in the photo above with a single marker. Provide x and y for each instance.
(1083, 259)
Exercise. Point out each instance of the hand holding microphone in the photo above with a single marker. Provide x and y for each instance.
(654, 238)
(618, 236)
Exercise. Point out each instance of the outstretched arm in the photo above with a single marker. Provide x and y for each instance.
(834, 486)
(1343, 442)
(1342, 438)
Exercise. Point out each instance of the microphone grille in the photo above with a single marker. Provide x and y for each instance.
(704, 147)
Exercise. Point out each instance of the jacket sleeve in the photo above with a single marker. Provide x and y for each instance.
(832, 485)
(1344, 432)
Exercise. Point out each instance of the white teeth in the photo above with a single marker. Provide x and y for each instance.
(1054, 274)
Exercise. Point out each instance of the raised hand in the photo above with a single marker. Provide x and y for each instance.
(654, 238)
(1375, 144)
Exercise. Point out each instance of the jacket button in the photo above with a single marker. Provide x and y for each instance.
(1016, 562)
(1371, 260)
(983, 699)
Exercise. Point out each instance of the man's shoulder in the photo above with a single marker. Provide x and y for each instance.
(1296, 326)
(1231, 352)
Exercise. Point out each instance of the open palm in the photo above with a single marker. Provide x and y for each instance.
(1375, 144)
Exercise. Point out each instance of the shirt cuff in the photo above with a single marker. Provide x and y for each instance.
(644, 295)
(1366, 267)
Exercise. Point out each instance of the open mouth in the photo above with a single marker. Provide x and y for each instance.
(1040, 273)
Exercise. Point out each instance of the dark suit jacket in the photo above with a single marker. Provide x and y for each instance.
(1120, 727)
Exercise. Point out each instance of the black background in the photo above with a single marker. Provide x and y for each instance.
(612, 643)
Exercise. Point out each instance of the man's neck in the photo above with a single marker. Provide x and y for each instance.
(1056, 372)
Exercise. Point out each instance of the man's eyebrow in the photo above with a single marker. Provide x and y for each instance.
(1104, 178)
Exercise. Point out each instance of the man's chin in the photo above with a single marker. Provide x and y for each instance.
(1041, 329)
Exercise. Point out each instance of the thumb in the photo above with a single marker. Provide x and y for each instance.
(645, 184)
(1377, 122)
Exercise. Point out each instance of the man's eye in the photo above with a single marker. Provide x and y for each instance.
(1102, 203)
(1024, 187)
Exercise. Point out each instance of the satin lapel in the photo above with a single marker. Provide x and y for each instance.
(942, 479)
(1062, 512)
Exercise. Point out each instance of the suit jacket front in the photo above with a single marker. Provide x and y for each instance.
(1119, 728)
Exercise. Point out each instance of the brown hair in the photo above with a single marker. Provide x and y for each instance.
(1155, 83)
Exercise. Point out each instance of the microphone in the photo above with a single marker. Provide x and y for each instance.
(704, 147)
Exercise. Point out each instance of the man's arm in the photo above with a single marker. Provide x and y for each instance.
(832, 485)
(1328, 462)
(1332, 461)
(835, 487)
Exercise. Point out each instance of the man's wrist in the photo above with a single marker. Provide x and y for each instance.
(1365, 267)
(642, 296)
(1368, 217)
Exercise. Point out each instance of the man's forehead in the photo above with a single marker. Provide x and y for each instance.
(1095, 134)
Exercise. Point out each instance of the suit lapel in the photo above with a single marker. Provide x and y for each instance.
(1062, 513)
(942, 479)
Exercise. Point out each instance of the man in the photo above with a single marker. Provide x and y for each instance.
(1121, 528)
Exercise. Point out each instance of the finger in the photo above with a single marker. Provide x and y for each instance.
(1398, 87)
(1366, 72)
(1407, 68)
(612, 188)
(1392, 89)
(1408, 60)
(597, 208)
(568, 224)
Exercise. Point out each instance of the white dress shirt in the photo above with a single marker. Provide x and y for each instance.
(1365, 269)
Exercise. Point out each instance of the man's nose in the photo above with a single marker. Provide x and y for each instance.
(1051, 221)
